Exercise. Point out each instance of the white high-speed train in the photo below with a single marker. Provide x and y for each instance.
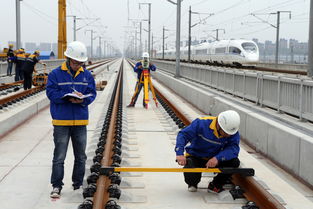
(232, 52)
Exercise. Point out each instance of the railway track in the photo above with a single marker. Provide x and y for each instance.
(264, 69)
(103, 191)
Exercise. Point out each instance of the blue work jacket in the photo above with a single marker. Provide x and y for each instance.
(60, 82)
(139, 70)
(204, 141)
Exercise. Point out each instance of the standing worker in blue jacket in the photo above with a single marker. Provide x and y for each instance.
(70, 116)
(138, 69)
(10, 59)
(19, 62)
(29, 68)
(212, 142)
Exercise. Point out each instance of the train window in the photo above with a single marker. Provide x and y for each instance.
(234, 50)
(201, 51)
(249, 47)
(220, 50)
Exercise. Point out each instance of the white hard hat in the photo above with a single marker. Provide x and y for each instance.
(76, 51)
(145, 54)
(229, 121)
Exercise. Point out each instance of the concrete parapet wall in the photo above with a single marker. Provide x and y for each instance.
(294, 67)
(286, 146)
(9, 123)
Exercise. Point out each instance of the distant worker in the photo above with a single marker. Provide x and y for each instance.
(29, 68)
(139, 84)
(19, 62)
(10, 59)
(209, 142)
(70, 116)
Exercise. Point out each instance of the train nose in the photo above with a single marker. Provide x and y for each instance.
(252, 58)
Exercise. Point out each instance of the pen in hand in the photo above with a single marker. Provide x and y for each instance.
(76, 92)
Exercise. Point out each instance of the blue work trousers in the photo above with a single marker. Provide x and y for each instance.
(19, 75)
(138, 88)
(192, 179)
(9, 69)
(62, 135)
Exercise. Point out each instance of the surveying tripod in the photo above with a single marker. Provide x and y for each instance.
(145, 80)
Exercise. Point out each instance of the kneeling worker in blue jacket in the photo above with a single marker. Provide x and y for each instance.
(209, 142)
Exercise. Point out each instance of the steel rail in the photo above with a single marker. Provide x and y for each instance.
(98, 64)
(101, 195)
(265, 69)
(242, 171)
(19, 95)
(7, 85)
(256, 193)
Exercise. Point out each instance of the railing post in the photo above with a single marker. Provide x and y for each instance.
(218, 75)
(211, 78)
(224, 89)
(257, 90)
(233, 83)
(261, 88)
(278, 95)
(244, 86)
(300, 99)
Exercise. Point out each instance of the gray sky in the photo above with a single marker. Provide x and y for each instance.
(39, 19)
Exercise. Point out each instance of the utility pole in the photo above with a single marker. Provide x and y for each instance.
(140, 47)
(310, 66)
(189, 34)
(291, 53)
(217, 32)
(177, 75)
(277, 32)
(277, 29)
(191, 26)
(104, 51)
(99, 46)
(178, 17)
(136, 54)
(152, 46)
(277, 37)
(18, 24)
(163, 42)
(91, 43)
(62, 42)
(74, 26)
(149, 24)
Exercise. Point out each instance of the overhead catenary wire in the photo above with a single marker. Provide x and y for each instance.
(50, 19)
(90, 19)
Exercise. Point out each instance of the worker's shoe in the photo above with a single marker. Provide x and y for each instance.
(56, 192)
(75, 186)
(214, 189)
(192, 188)
(131, 105)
